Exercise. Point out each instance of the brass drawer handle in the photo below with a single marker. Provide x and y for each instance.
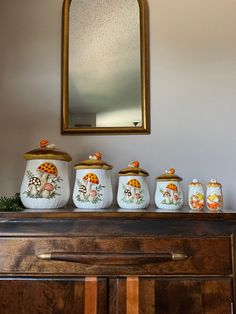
(115, 259)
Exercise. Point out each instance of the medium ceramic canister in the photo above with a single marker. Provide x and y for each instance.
(168, 194)
(133, 190)
(214, 195)
(46, 179)
(93, 183)
(196, 195)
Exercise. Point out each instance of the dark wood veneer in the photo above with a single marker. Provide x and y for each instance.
(106, 244)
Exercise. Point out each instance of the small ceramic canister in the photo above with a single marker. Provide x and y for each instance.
(133, 190)
(196, 195)
(46, 179)
(214, 196)
(168, 194)
(93, 183)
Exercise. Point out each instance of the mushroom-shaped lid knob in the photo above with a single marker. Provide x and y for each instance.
(169, 175)
(47, 151)
(213, 184)
(133, 169)
(94, 162)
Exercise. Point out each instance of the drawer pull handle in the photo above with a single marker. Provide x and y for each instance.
(113, 258)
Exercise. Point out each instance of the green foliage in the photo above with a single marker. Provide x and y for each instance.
(11, 204)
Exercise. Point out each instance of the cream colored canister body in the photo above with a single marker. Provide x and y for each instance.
(168, 195)
(92, 189)
(133, 192)
(45, 184)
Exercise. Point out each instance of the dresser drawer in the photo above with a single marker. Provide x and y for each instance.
(115, 256)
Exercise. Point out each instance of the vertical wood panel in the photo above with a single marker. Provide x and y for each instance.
(102, 296)
(217, 296)
(147, 296)
(90, 302)
(79, 291)
(132, 295)
(178, 296)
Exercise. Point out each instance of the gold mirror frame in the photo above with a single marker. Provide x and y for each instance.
(145, 79)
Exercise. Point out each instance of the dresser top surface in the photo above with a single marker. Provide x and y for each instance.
(149, 213)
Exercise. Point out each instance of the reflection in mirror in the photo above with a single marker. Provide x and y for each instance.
(105, 84)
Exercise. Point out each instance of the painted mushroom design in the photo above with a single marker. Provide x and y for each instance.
(34, 185)
(47, 189)
(134, 184)
(174, 189)
(46, 170)
(90, 179)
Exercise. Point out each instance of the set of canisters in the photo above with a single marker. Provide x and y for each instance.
(46, 183)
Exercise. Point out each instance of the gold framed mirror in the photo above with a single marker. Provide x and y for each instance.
(105, 67)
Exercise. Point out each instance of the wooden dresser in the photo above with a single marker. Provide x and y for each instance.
(117, 262)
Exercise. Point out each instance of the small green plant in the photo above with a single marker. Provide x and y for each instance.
(11, 204)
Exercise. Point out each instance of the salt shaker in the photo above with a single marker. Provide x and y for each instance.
(196, 195)
(214, 195)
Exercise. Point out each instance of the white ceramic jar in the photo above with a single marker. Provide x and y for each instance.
(168, 194)
(46, 179)
(93, 189)
(214, 196)
(196, 195)
(133, 192)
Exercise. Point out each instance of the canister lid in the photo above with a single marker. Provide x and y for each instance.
(94, 162)
(47, 151)
(169, 175)
(133, 169)
(195, 182)
(213, 184)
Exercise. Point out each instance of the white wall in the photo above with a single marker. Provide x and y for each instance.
(193, 94)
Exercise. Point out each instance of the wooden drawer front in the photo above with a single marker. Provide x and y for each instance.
(115, 256)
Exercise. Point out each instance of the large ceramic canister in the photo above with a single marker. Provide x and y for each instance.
(46, 179)
(196, 195)
(214, 195)
(93, 187)
(133, 190)
(168, 194)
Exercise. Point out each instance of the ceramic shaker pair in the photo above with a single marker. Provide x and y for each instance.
(214, 196)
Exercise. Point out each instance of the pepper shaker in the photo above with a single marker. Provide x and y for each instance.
(214, 195)
(196, 195)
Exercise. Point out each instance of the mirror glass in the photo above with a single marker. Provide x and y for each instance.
(105, 67)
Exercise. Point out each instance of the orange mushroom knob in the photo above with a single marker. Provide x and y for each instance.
(136, 163)
(97, 155)
(171, 170)
(43, 143)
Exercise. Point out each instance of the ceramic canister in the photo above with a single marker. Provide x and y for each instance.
(168, 194)
(46, 179)
(92, 187)
(214, 195)
(196, 195)
(133, 190)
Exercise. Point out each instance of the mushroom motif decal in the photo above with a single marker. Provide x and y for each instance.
(171, 195)
(45, 183)
(90, 189)
(133, 192)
